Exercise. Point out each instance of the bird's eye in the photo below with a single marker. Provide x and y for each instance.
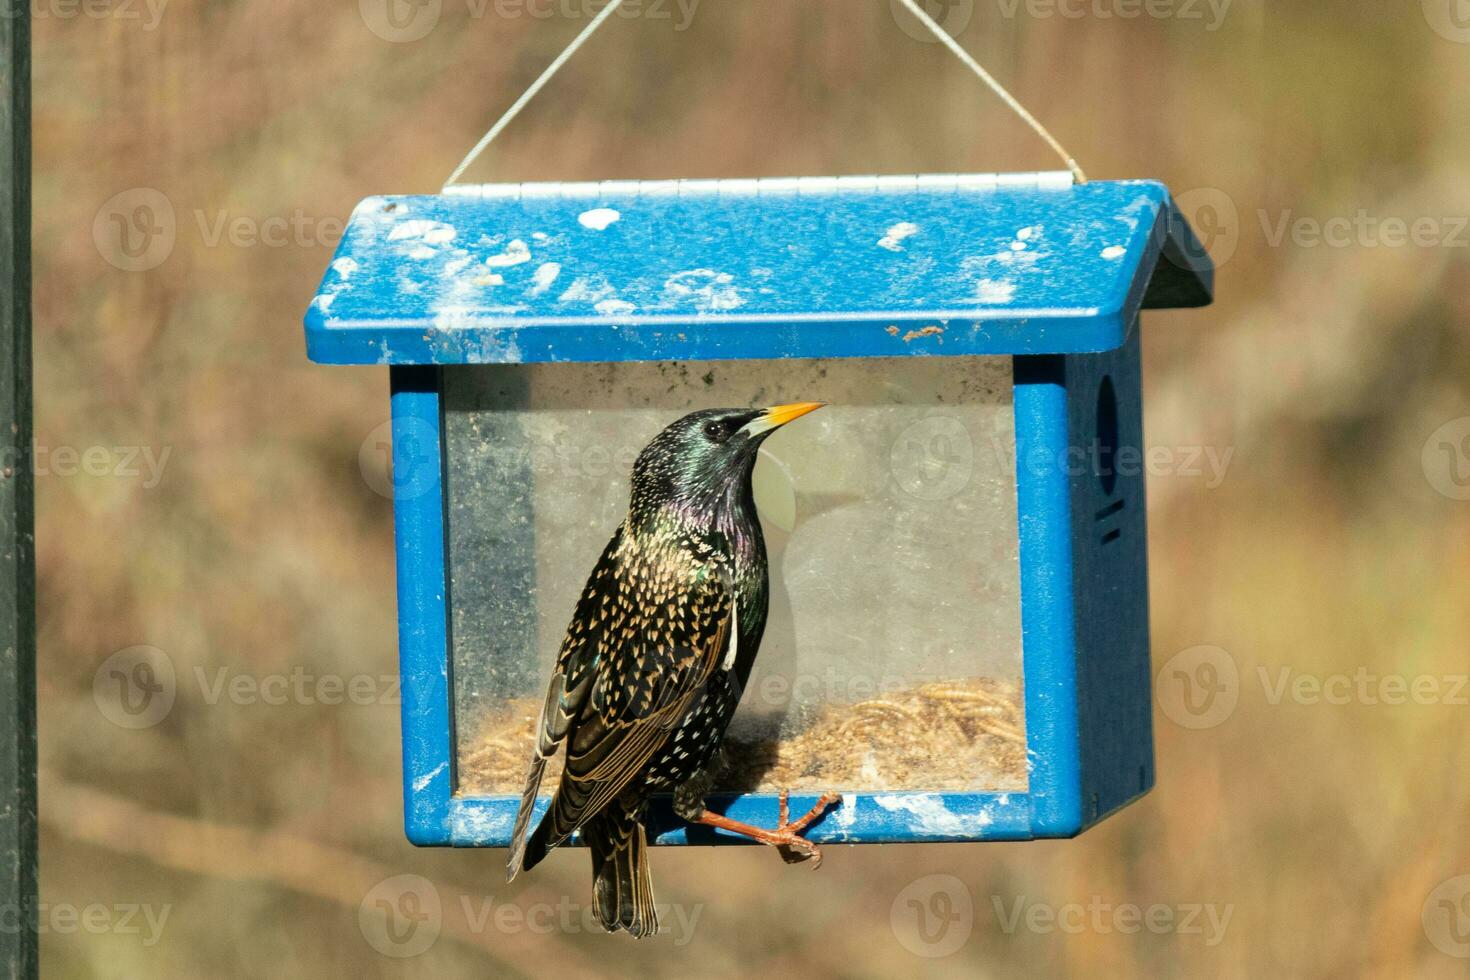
(716, 431)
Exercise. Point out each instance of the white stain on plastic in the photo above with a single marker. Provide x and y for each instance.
(516, 253)
(995, 291)
(1024, 238)
(1014, 261)
(430, 232)
(932, 817)
(545, 274)
(893, 241)
(600, 293)
(614, 307)
(483, 824)
(587, 290)
(1114, 252)
(708, 290)
(497, 347)
(422, 783)
(482, 346)
(598, 219)
(345, 268)
(423, 252)
(845, 816)
(456, 266)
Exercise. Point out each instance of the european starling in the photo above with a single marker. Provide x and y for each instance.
(653, 664)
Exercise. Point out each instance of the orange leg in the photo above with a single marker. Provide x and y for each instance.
(787, 836)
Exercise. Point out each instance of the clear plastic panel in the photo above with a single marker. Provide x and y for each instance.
(892, 658)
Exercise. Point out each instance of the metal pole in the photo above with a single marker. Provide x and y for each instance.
(18, 933)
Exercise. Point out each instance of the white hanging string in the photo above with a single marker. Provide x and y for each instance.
(943, 36)
(534, 90)
(913, 6)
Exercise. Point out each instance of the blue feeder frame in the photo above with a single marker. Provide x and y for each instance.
(1027, 265)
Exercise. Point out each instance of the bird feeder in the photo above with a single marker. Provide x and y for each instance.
(958, 639)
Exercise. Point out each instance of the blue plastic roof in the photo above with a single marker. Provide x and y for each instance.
(810, 267)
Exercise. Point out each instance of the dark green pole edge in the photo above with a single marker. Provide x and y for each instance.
(18, 934)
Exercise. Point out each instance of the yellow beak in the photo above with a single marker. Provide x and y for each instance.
(782, 414)
(776, 417)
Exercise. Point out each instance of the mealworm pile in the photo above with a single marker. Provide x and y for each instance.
(954, 735)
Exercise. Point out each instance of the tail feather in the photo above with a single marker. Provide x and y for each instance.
(622, 887)
(517, 861)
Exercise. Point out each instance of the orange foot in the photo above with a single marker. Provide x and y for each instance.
(787, 837)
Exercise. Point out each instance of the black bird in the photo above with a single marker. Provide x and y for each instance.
(654, 662)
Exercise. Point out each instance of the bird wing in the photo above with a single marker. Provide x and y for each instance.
(659, 640)
(566, 694)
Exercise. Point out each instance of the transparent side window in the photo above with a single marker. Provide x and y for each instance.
(892, 658)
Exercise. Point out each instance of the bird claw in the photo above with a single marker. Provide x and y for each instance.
(794, 848)
(786, 838)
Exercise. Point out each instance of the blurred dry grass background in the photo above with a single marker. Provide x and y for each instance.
(263, 550)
